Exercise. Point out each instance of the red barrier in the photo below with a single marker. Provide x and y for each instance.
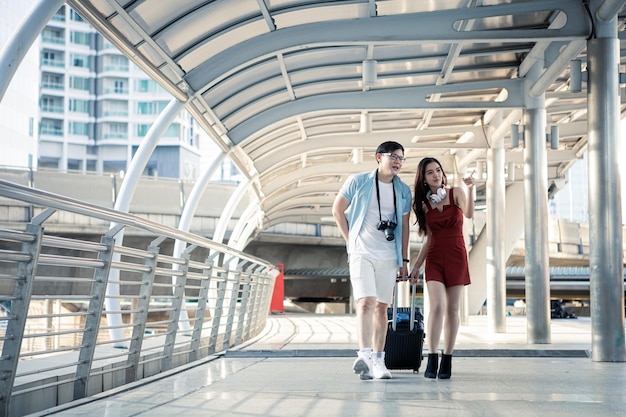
(278, 296)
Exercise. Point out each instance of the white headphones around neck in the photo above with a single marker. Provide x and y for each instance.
(437, 198)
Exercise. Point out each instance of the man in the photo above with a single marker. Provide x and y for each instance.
(372, 212)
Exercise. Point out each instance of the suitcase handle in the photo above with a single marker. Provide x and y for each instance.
(395, 304)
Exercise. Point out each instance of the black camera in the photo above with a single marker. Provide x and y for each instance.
(387, 226)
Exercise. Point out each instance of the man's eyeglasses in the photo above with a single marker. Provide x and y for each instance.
(395, 157)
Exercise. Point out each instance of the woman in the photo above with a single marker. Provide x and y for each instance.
(440, 211)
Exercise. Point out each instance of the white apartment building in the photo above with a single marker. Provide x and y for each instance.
(96, 107)
(19, 107)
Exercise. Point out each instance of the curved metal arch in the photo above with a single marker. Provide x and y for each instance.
(435, 26)
(244, 222)
(409, 98)
(18, 45)
(299, 217)
(304, 202)
(294, 193)
(337, 169)
(348, 141)
(229, 209)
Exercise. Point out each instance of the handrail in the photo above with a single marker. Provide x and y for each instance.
(52, 290)
(51, 200)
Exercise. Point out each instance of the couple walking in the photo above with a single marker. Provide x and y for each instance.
(372, 211)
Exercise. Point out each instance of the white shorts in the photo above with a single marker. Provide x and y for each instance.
(372, 278)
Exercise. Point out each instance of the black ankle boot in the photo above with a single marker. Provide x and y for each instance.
(445, 369)
(431, 367)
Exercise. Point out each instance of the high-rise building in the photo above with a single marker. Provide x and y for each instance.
(18, 107)
(96, 107)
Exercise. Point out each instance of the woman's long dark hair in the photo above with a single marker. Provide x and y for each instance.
(421, 191)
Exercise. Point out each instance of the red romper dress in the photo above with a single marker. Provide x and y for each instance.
(446, 259)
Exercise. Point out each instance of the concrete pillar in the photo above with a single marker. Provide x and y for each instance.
(537, 260)
(606, 268)
(496, 228)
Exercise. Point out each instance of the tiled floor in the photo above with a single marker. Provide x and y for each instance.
(280, 375)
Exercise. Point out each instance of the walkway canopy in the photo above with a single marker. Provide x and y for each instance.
(300, 93)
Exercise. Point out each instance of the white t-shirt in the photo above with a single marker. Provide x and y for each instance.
(371, 242)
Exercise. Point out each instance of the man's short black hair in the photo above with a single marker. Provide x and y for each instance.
(389, 146)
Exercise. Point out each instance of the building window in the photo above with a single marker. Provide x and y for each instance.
(80, 38)
(80, 60)
(115, 108)
(59, 16)
(151, 107)
(142, 130)
(48, 163)
(79, 128)
(115, 131)
(51, 104)
(171, 132)
(53, 35)
(75, 16)
(120, 87)
(79, 106)
(80, 83)
(51, 58)
(52, 81)
(116, 86)
(51, 127)
(115, 63)
(148, 86)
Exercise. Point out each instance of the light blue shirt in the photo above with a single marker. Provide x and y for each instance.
(358, 191)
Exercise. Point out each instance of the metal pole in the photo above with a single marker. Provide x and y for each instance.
(191, 205)
(537, 260)
(496, 228)
(606, 268)
(122, 203)
(229, 209)
(237, 240)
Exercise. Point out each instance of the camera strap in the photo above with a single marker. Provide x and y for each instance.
(380, 218)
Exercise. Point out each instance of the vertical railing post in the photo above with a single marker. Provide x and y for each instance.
(20, 302)
(244, 318)
(221, 284)
(256, 297)
(94, 315)
(177, 302)
(203, 296)
(232, 307)
(140, 318)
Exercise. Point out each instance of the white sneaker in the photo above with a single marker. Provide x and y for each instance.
(363, 366)
(380, 370)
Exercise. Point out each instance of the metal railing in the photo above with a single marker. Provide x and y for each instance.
(55, 333)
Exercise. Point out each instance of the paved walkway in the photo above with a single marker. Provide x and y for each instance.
(301, 366)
